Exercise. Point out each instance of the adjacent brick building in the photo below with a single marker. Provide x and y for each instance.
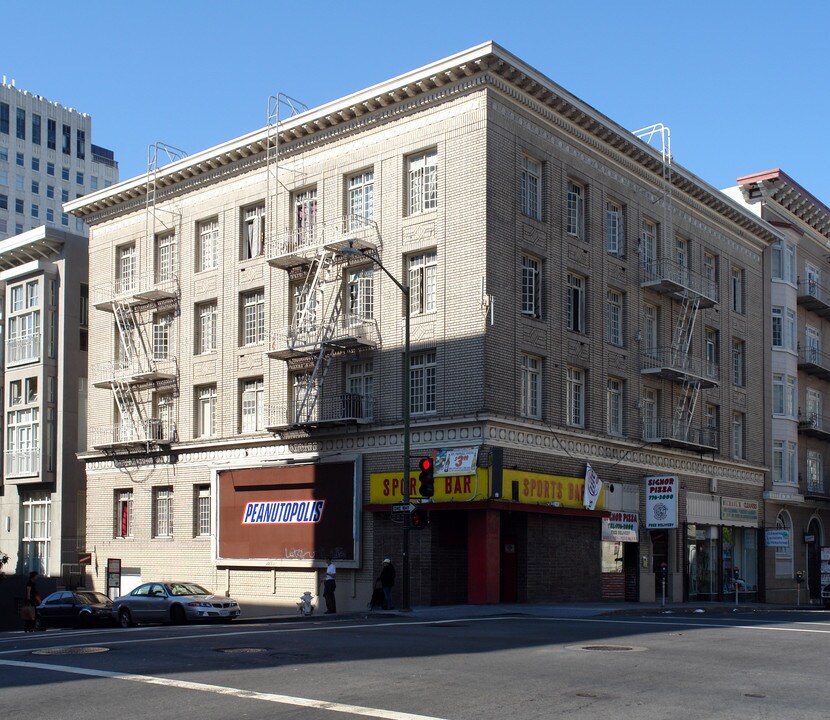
(574, 298)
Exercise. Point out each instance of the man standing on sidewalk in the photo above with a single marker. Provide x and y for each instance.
(387, 582)
(329, 586)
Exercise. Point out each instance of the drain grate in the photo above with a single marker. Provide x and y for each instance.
(241, 650)
(70, 651)
(608, 648)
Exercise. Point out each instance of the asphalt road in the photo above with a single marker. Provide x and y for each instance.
(729, 665)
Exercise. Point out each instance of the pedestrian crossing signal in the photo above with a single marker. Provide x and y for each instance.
(418, 519)
(426, 481)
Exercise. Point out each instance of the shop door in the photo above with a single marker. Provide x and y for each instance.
(631, 556)
(509, 570)
(659, 557)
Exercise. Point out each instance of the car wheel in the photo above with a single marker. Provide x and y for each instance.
(40, 624)
(177, 616)
(125, 620)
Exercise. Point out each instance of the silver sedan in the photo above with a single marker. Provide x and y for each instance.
(173, 602)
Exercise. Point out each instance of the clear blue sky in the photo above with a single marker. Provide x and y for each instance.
(743, 86)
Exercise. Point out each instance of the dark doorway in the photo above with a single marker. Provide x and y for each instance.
(814, 560)
(659, 559)
(509, 570)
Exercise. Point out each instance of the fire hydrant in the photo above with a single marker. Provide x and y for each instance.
(305, 606)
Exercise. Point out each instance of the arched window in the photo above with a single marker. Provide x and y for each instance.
(784, 556)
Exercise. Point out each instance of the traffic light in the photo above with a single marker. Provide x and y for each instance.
(426, 482)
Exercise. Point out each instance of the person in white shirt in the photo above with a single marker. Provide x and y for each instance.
(329, 586)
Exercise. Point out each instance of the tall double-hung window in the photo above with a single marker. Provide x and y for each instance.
(531, 188)
(423, 181)
(423, 274)
(575, 217)
(422, 379)
(531, 390)
(361, 199)
(531, 286)
(614, 228)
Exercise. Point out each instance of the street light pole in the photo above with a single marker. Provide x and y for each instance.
(351, 250)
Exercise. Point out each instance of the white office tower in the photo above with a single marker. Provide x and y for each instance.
(46, 158)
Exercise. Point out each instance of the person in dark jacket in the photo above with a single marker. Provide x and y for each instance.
(387, 582)
(30, 601)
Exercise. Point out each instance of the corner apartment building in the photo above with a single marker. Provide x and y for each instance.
(43, 276)
(573, 298)
(797, 495)
(46, 159)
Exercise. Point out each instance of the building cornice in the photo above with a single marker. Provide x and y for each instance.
(486, 63)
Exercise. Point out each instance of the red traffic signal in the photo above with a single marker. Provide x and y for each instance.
(418, 519)
(426, 486)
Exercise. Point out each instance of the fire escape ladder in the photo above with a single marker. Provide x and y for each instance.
(683, 330)
(131, 426)
(685, 411)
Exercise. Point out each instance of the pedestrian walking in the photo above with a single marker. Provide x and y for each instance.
(31, 600)
(387, 582)
(329, 586)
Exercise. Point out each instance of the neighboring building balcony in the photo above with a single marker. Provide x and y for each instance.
(667, 431)
(814, 362)
(348, 333)
(23, 349)
(144, 433)
(293, 246)
(135, 290)
(671, 278)
(139, 371)
(21, 463)
(815, 297)
(348, 408)
(815, 426)
(816, 489)
(668, 363)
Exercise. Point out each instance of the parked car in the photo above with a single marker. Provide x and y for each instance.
(78, 608)
(173, 602)
(825, 596)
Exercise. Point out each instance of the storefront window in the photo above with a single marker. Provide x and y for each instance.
(612, 557)
(713, 555)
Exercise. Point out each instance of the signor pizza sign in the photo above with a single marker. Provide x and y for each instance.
(661, 501)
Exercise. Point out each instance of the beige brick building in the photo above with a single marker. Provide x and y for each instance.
(575, 299)
(797, 496)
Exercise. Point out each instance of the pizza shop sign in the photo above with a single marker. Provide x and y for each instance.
(661, 501)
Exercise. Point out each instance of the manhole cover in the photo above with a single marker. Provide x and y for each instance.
(754, 695)
(70, 651)
(241, 650)
(606, 648)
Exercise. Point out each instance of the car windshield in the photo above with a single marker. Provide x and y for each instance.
(187, 589)
(91, 598)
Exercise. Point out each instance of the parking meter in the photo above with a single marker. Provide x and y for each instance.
(737, 573)
(799, 576)
(664, 571)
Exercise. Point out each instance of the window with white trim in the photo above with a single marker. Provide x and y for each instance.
(575, 218)
(201, 510)
(123, 514)
(361, 295)
(812, 276)
(422, 383)
(252, 409)
(649, 401)
(784, 555)
(531, 386)
(575, 400)
(253, 231)
(207, 253)
(165, 257)
(783, 262)
(305, 217)
(361, 199)
(36, 536)
(360, 384)
(778, 327)
(783, 395)
(163, 512)
(614, 406)
(614, 316)
(531, 187)
(648, 246)
(22, 442)
(423, 181)
(206, 315)
(575, 303)
(649, 339)
(815, 477)
(814, 408)
(531, 286)
(614, 228)
(423, 274)
(253, 317)
(126, 271)
(162, 326)
(206, 411)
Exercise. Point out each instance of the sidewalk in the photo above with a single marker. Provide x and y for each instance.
(554, 610)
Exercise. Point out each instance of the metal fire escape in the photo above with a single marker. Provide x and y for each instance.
(319, 328)
(134, 300)
(669, 275)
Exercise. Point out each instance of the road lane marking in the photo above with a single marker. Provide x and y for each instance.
(221, 690)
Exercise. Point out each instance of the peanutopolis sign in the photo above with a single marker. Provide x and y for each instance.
(287, 514)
